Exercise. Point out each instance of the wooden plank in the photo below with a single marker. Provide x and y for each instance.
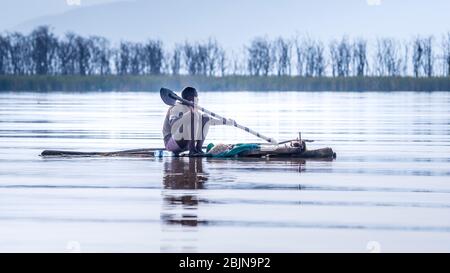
(277, 153)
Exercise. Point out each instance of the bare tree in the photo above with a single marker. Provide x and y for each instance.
(282, 55)
(300, 51)
(43, 51)
(153, 57)
(259, 57)
(417, 57)
(4, 58)
(314, 58)
(123, 56)
(222, 59)
(196, 58)
(137, 55)
(310, 58)
(344, 56)
(190, 58)
(404, 69)
(334, 58)
(101, 54)
(175, 61)
(67, 54)
(428, 60)
(238, 66)
(212, 56)
(84, 55)
(359, 57)
(201, 57)
(320, 59)
(205, 61)
(423, 56)
(20, 54)
(388, 59)
(446, 54)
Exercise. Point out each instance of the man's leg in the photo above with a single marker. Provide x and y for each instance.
(193, 132)
(205, 129)
(182, 132)
(191, 142)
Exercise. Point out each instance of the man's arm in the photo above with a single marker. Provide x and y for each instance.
(215, 121)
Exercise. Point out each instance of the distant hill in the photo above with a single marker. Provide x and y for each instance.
(13, 12)
(234, 22)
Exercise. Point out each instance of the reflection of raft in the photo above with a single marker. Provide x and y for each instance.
(292, 149)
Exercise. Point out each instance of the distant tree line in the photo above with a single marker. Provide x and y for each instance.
(43, 53)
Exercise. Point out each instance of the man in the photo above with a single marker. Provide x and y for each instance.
(184, 128)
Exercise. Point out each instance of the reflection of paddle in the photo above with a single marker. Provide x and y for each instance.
(169, 97)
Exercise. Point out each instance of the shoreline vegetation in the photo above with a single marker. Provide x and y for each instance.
(77, 83)
(42, 61)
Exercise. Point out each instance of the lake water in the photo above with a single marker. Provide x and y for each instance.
(388, 189)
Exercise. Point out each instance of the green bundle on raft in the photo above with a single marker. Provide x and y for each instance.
(222, 150)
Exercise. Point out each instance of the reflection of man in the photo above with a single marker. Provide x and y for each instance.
(184, 173)
(179, 174)
(185, 129)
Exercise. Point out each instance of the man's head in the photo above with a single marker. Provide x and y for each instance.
(189, 93)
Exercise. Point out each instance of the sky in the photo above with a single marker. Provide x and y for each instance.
(232, 22)
(14, 12)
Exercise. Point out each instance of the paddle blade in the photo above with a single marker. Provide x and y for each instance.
(168, 96)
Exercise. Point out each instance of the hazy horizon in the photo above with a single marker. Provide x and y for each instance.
(175, 21)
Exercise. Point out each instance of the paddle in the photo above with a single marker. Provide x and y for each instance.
(169, 97)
